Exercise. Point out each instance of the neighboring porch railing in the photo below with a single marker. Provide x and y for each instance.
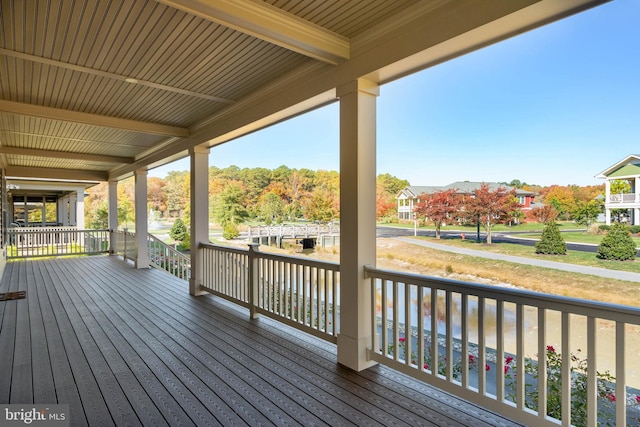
(509, 350)
(166, 258)
(622, 198)
(55, 241)
(299, 292)
(123, 243)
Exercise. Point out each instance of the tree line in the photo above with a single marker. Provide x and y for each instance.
(273, 196)
(269, 196)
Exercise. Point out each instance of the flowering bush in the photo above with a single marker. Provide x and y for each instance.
(605, 384)
(428, 363)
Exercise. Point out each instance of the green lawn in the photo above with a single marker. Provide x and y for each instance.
(572, 257)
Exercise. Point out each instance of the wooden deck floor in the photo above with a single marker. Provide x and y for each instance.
(131, 347)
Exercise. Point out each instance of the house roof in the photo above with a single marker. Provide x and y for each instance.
(462, 187)
(95, 90)
(627, 167)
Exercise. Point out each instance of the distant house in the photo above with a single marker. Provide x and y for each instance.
(408, 198)
(627, 169)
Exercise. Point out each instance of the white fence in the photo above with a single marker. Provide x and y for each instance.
(299, 292)
(166, 258)
(622, 198)
(534, 357)
(55, 241)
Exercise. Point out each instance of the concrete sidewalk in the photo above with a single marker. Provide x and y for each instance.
(594, 271)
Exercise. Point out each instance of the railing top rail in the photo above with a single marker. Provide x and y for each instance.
(164, 245)
(596, 309)
(223, 248)
(32, 230)
(328, 265)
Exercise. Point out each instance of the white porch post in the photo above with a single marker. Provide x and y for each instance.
(357, 219)
(199, 182)
(63, 210)
(72, 208)
(607, 199)
(142, 249)
(112, 213)
(78, 209)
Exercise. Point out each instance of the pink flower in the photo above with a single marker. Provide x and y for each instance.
(550, 349)
(472, 358)
(611, 397)
(487, 367)
(506, 369)
(401, 339)
(508, 360)
(426, 366)
(638, 399)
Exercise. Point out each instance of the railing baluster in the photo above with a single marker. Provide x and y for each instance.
(500, 365)
(395, 308)
(408, 342)
(449, 335)
(542, 363)
(384, 329)
(592, 384)
(421, 341)
(520, 379)
(464, 337)
(434, 331)
(482, 356)
(621, 379)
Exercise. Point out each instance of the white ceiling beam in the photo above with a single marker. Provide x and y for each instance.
(65, 155)
(51, 173)
(22, 109)
(271, 24)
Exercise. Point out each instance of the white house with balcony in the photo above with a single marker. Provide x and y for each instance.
(628, 169)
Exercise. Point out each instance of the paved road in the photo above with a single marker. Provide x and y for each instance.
(595, 271)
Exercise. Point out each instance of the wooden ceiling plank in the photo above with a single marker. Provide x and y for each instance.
(91, 119)
(73, 67)
(56, 173)
(65, 155)
(271, 24)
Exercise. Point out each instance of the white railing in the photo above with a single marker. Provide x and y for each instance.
(34, 242)
(622, 198)
(165, 257)
(299, 292)
(485, 333)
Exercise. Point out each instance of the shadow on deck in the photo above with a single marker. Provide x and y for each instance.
(132, 347)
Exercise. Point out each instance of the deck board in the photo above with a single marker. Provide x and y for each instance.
(130, 347)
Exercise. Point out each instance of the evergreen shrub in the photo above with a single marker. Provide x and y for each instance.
(617, 244)
(551, 241)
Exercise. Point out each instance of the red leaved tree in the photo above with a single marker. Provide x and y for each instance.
(489, 207)
(439, 207)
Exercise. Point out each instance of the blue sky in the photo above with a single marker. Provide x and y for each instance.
(556, 105)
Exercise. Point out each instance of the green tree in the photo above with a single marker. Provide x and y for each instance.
(586, 213)
(551, 241)
(179, 231)
(228, 206)
(617, 244)
(230, 231)
(99, 217)
(271, 208)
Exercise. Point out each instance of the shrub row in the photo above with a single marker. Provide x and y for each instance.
(633, 229)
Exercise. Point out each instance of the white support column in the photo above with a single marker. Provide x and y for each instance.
(199, 183)
(357, 219)
(78, 209)
(142, 247)
(607, 198)
(113, 213)
(63, 211)
(636, 190)
(72, 208)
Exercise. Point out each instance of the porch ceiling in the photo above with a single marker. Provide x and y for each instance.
(95, 89)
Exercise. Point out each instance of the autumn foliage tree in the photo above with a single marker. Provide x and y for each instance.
(489, 207)
(439, 207)
(544, 214)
